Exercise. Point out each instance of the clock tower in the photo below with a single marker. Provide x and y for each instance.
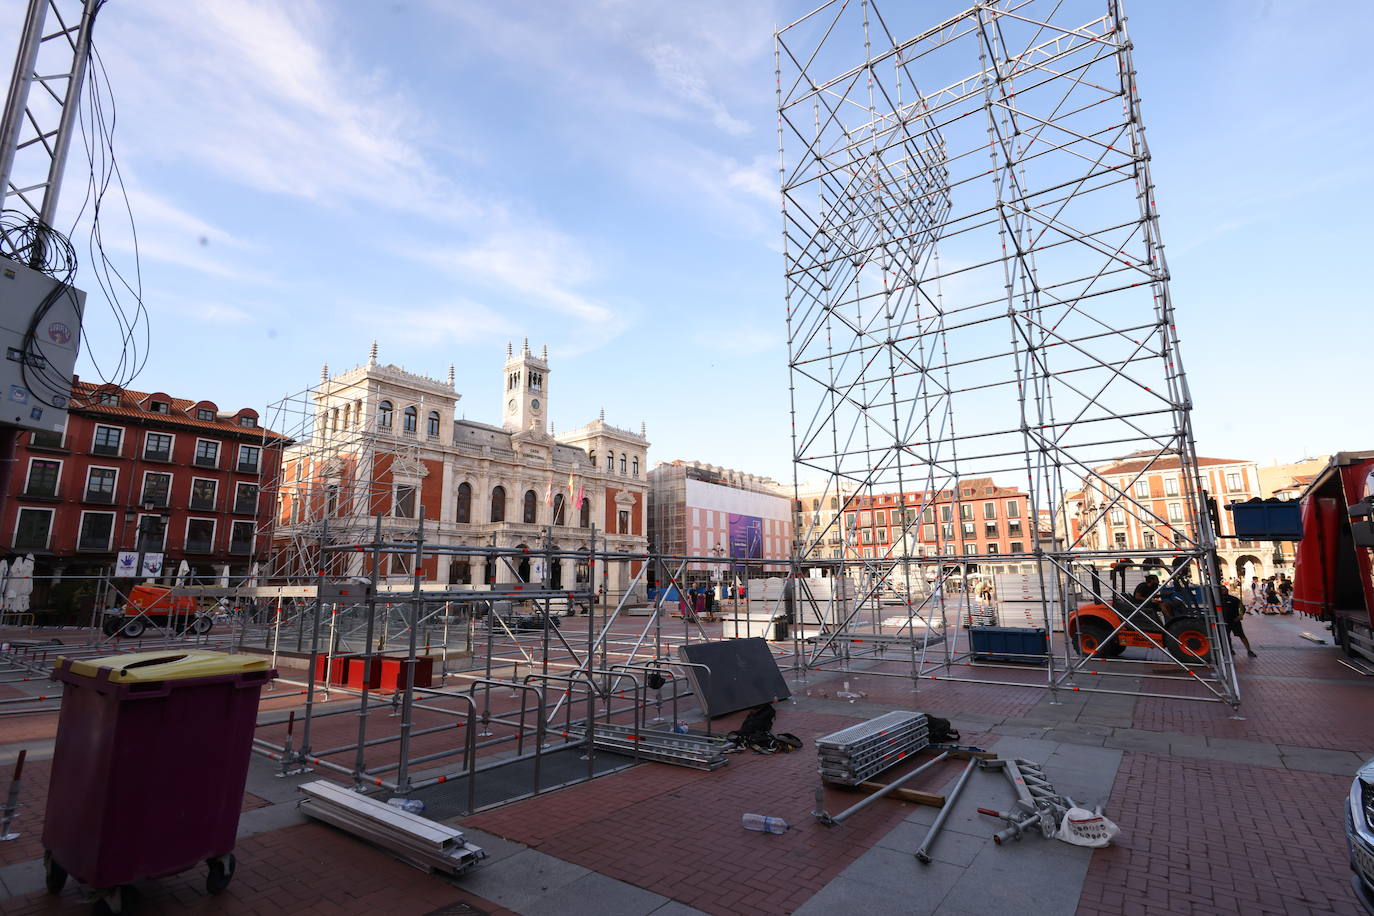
(527, 390)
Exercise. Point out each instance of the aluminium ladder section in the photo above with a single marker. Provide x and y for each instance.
(854, 754)
(701, 752)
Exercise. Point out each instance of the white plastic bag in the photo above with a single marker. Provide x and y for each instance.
(1082, 827)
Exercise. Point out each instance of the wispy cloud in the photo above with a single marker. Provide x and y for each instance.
(456, 321)
(261, 99)
(261, 95)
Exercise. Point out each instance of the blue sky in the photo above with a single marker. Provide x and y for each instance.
(601, 177)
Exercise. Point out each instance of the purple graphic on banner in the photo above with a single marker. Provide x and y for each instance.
(746, 537)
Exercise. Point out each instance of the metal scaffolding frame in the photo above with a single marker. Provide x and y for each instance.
(976, 287)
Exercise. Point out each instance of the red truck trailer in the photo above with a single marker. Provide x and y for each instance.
(1333, 579)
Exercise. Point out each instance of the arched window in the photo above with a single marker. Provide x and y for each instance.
(464, 503)
(635, 462)
(411, 417)
(584, 518)
(834, 503)
(498, 505)
(530, 516)
(433, 427)
(558, 509)
(334, 420)
(622, 462)
(348, 416)
(384, 415)
(358, 411)
(610, 461)
(591, 456)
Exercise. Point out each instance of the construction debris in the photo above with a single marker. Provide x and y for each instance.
(420, 842)
(851, 755)
(700, 752)
(1038, 804)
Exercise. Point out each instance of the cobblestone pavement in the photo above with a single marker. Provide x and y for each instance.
(1218, 815)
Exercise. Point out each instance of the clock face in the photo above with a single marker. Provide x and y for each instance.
(534, 405)
(510, 406)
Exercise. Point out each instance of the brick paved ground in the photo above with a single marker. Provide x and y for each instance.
(308, 869)
(1214, 837)
(1218, 815)
(677, 832)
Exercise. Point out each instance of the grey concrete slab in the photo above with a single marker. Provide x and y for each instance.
(520, 881)
(1028, 748)
(674, 908)
(1081, 728)
(22, 878)
(596, 895)
(951, 847)
(265, 782)
(269, 818)
(1320, 760)
(1109, 721)
(494, 846)
(1126, 739)
(1240, 744)
(1079, 738)
(1037, 875)
(1020, 731)
(913, 889)
(1238, 755)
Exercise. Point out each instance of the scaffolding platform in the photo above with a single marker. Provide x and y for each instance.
(852, 755)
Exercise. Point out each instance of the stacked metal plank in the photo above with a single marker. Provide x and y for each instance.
(417, 840)
(701, 752)
(854, 754)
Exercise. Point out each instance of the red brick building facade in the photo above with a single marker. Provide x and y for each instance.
(136, 471)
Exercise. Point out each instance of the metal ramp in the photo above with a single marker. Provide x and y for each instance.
(419, 841)
(851, 755)
(506, 781)
(700, 752)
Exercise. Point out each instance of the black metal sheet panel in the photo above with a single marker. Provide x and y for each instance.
(743, 673)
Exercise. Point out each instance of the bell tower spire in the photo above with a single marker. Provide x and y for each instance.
(527, 390)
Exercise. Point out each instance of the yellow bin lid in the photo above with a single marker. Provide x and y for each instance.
(166, 666)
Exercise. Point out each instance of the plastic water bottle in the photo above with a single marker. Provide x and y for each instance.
(764, 824)
(411, 805)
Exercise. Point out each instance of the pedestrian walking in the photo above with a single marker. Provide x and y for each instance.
(1255, 593)
(1286, 595)
(1231, 613)
(1271, 597)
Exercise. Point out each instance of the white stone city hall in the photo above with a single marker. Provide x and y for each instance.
(382, 441)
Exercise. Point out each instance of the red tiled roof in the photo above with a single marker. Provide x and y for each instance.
(180, 411)
(1162, 463)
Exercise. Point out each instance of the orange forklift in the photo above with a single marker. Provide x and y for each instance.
(1105, 630)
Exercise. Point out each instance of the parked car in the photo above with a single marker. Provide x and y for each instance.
(1359, 833)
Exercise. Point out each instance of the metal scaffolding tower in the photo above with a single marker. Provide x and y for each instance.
(976, 287)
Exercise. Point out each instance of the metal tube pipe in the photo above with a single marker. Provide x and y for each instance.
(895, 784)
(923, 854)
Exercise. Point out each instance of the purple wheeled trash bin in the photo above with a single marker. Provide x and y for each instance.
(149, 767)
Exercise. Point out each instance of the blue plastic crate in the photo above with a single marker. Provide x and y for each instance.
(1011, 644)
